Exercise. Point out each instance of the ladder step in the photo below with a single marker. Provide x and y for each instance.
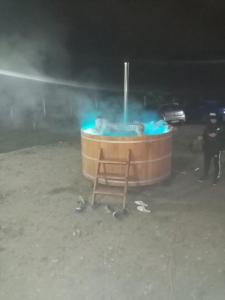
(120, 189)
(112, 162)
(106, 190)
(112, 177)
(109, 193)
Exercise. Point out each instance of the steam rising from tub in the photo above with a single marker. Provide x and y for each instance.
(136, 127)
(28, 95)
(107, 120)
(102, 127)
(23, 97)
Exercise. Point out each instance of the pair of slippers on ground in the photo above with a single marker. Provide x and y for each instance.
(142, 206)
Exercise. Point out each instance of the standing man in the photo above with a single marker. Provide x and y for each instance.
(212, 146)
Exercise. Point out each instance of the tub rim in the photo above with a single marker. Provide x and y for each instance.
(111, 139)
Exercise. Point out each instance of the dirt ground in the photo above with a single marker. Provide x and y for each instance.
(50, 252)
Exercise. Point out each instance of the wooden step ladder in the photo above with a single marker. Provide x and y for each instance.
(122, 181)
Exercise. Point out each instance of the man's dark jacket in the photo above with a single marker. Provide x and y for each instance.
(213, 145)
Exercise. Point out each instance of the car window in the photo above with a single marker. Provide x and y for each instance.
(171, 107)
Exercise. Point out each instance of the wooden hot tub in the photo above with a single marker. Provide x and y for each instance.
(150, 157)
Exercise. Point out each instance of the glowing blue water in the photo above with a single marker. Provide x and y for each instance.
(88, 124)
(150, 128)
(156, 128)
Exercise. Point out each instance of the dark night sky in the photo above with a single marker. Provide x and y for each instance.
(146, 29)
(108, 31)
(113, 28)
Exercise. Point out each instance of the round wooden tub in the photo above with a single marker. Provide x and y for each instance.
(150, 157)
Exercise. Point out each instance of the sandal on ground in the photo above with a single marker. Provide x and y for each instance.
(143, 209)
(141, 203)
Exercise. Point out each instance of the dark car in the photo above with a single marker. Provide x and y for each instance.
(172, 113)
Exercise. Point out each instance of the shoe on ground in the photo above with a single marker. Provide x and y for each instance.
(79, 209)
(143, 209)
(140, 202)
(108, 209)
(118, 214)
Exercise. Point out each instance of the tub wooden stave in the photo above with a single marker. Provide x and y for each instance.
(150, 157)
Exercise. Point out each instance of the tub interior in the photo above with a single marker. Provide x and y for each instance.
(152, 128)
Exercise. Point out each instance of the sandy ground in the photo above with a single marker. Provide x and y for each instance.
(49, 252)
